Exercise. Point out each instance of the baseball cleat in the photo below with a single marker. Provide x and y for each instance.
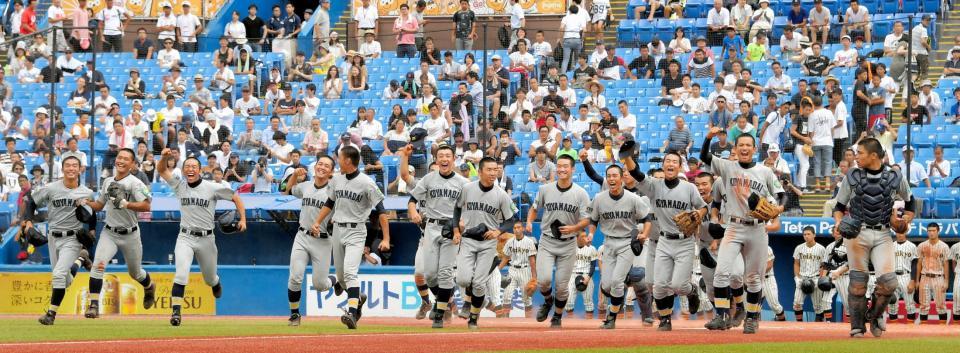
(175, 318)
(425, 307)
(738, 318)
(217, 291)
(648, 321)
(856, 333)
(438, 321)
(85, 259)
(751, 326)
(610, 322)
(464, 311)
(349, 320)
(93, 311)
(694, 300)
(363, 300)
(472, 322)
(544, 310)
(665, 324)
(555, 322)
(48, 317)
(149, 296)
(719, 322)
(294, 320)
(877, 326)
(448, 314)
(780, 317)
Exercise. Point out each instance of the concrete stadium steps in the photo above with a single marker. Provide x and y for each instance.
(618, 11)
(812, 204)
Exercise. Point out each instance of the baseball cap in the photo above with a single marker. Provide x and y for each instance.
(773, 148)
(925, 17)
(845, 37)
(906, 148)
(586, 137)
(926, 83)
(198, 77)
(464, 166)
(495, 57)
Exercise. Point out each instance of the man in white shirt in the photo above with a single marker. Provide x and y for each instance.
(857, 18)
(599, 53)
(566, 92)
(171, 113)
(188, 25)
(29, 73)
(16, 18)
(939, 167)
(790, 48)
(543, 51)
(570, 27)
(111, 25)
(917, 174)
(840, 133)
(520, 104)
(451, 70)
(168, 57)
(68, 64)
(524, 122)
(847, 56)
(102, 103)
(311, 101)
(718, 18)
(695, 103)
(779, 84)
(55, 18)
(582, 123)
(521, 61)
(370, 128)
(822, 123)
(517, 19)
(366, 17)
(223, 79)
(891, 40)
(438, 129)
(773, 127)
(247, 105)
(370, 48)
(167, 23)
(626, 122)
(424, 70)
(920, 41)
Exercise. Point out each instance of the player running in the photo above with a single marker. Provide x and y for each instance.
(566, 212)
(198, 205)
(124, 197)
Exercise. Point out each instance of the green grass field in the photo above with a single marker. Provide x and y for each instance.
(866, 345)
(70, 329)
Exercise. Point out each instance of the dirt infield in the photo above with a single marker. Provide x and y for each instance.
(496, 334)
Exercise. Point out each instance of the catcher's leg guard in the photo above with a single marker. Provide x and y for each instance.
(858, 301)
(886, 286)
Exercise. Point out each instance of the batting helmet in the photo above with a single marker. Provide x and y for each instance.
(824, 284)
(716, 230)
(228, 222)
(807, 285)
(580, 283)
(34, 237)
(85, 214)
(706, 258)
(635, 244)
(504, 281)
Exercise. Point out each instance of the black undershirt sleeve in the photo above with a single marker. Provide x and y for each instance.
(705, 156)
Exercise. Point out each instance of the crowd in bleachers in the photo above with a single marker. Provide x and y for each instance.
(253, 118)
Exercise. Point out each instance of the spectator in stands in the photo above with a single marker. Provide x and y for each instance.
(762, 19)
(424, 71)
(250, 138)
(695, 103)
(253, 26)
(370, 48)
(451, 70)
(930, 99)
(284, 104)
(111, 19)
(861, 103)
(315, 140)
(524, 122)
(470, 64)
(773, 127)
(570, 27)
(166, 23)
(356, 81)
(262, 177)
(609, 67)
(917, 174)
(366, 17)
(954, 116)
(333, 84)
(370, 128)
(680, 140)
(223, 78)
(521, 61)
(135, 87)
(938, 168)
(721, 114)
(168, 57)
(921, 45)
(438, 128)
(733, 45)
(28, 18)
(917, 113)
(51, 74)
(188, 25)
(821, 122)
(758, 49)
(816, 64)
(545, 140)
(599, 52)
(247, 104)
(840, 133)
(892, 40)
(404, 28)
(120, 137)
(877, 94)
(775, 162)
(494, 92)
(79, 98)
(664, 62)
(224, 52)
(300, 70)
(67, 63)
(819, 23)
(779, 84)
(679, 94)
(742, 126)
(281, 149)
(951, 68)
(464, 29)
(740, 16)
(856, 20)
(627, 122)
(680, 43)
(718, 18)
(790, 48)
(845, 57)
(640, 67)
(29, 73)
(541, 170)
(700, 66)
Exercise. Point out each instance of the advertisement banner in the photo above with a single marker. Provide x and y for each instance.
(389, 295)
(29, 293)
(479, 7)
(149, 8)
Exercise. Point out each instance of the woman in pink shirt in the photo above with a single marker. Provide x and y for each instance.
(80, 36)
(405, 27)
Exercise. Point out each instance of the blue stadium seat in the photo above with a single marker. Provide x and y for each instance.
(946, 202)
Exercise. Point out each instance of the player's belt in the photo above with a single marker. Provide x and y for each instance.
(437, 221)
(902, 272)
(875, 226)
(348, 225)
(322, 235)
(932, 275)
(519, 266)
(366, 28)
(195, 232)
(744, 221)
(67, 233)
(121, 230)
(672, 236)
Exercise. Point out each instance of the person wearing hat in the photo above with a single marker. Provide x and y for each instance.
(951, 68)
(370, 48)
(847, 56)
(930, 99)
(201, 96)
(595, 99)
(762, 19)
(135, 87)
(917, 174)
(857, 20)
(68, 64)
(166, 23)
(168, 57)
(188, 25)
(797, 17)
(173, 84)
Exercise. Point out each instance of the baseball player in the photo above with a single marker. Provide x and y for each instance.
(906, 253)
(309, 248)
(933, 266)
(520, 253)
(124, 197)
(711, 231)
(834, 276)
(955, 257)
(868, 193)
(198, 205)
(583, 272)
(807, 258)
(770, 292)
(672, 199)
(746, 210)
(486, 212)
(565, 208)
(66, 252)
(438, 193)
(356, 198)
(617, 213)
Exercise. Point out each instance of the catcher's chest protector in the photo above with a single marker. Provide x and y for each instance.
(872, 199)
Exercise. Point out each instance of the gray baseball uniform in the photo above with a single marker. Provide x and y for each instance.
(568, 206)
(120, 230)
(310, 249)
(519, 252)
(352, 196)
(708, 274)
(617, 217)
(198, 205)
(675, 251)
(479, 205)
(871, 246)
(63, 225)
(905, 252)
(437, 195)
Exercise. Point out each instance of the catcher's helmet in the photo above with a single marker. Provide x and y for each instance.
(580, 283)
(228, 222)
(807, 285)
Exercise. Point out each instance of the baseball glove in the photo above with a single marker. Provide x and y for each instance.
(115, 194)
(807, 285)
(688, 222)
(530, 288)
(849, 228)
(761, 209)
(899, 225)
(501, 242)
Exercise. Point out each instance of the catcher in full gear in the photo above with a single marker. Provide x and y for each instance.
(868, 193)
